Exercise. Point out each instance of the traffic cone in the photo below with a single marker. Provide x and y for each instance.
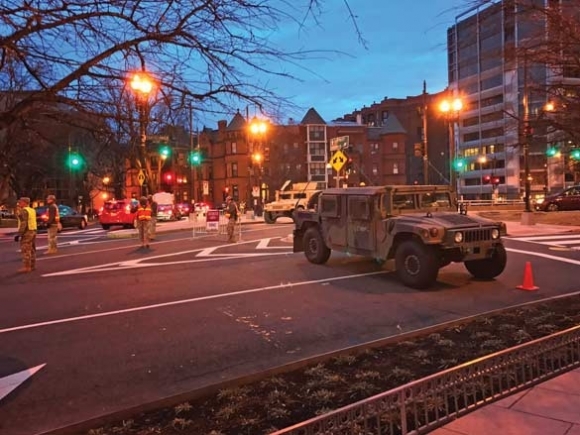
(528, 283)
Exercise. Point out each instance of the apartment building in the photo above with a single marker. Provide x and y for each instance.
(489, 68)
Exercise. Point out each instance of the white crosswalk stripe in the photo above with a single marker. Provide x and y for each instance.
(570, 241)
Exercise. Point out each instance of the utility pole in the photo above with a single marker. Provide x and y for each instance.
(191, 170)
(527, 216)
(425, 142)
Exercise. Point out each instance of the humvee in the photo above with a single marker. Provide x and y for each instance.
(288, 200)
(415, 230)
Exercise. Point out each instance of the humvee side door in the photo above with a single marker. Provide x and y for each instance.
(331, 213)
(361, 233)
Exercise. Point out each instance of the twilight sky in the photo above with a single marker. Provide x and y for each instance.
(406, 44)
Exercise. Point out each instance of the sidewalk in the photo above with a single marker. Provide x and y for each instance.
(550, 408)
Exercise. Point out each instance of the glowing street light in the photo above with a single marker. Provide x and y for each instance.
(451, 108)
(142, 86)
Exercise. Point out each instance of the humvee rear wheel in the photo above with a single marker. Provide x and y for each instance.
(488, 268)
(269, 218)
(417, 265)
(315, 249)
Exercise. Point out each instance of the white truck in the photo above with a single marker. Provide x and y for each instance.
(290, 197)
(166, 208)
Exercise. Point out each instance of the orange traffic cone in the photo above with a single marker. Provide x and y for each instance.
(528, 283)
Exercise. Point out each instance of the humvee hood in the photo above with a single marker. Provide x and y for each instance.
(446, 219)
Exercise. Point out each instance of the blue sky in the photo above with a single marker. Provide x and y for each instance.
(406, 44)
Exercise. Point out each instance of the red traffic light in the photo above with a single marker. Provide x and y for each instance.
(168, 177)
(496, 180)
(486, 179)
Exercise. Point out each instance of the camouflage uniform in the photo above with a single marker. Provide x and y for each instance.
(27, 235)
(52, 224)
(232, 214)
(153, 221)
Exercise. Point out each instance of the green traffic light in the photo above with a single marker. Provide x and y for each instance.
(551, 152)
(195, 158)
(459, 164)
(575, 154)
(165, 151)
(74, 161)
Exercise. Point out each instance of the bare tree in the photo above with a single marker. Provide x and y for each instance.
(210, 51)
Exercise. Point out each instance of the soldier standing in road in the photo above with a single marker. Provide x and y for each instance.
(52, 223)
(232, 213)
(143, 221)
(153, 222)
(26, 235)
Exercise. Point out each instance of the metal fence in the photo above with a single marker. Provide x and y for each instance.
(425, 404)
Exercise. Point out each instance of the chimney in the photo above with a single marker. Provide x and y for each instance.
(222, 125)
(359, 118)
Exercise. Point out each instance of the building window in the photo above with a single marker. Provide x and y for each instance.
(299, 167)
(317, 149)
(374, 147)
(234, 148)
(375, 169)
(317, 169)
(285, 148)
(234, 170)
(235, 192)
(395, 145)
(296, 145)
(395, 168)
(316, 132)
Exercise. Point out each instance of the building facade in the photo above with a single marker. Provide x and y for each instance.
(492, 67)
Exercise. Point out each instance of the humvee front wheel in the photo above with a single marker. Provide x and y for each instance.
(488, 268)
(416, 264)
(315, 249)
(269, 218)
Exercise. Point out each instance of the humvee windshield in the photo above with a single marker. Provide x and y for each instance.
(299, 195)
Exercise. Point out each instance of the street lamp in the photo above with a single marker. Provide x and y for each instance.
(142, 85)
(258, 128)
(451, 108)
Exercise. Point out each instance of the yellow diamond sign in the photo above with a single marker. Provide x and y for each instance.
(141, 178)
(338, 160)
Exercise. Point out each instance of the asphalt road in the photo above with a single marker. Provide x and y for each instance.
(109, 326)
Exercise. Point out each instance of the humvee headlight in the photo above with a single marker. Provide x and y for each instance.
(424, 233)
(434, 232)
(495, 234)
(458, 237)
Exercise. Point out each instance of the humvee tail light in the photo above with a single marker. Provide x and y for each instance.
(495, 234)
(458, 237)
(434, 232)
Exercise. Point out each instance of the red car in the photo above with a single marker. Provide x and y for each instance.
(118, 212)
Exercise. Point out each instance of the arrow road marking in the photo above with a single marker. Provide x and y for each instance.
(11, 382)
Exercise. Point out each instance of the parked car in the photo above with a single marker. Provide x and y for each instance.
(184, 208)
(118, 212)
(201, 207)
(568, 199)
(69, 217)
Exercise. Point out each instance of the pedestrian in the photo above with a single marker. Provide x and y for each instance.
(52, 224)
(143, 221)
(153, 222)
(232, 213)
(26, 235)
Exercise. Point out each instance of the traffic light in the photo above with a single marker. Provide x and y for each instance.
(164, 152)
(195, 158)
(486, 179)
(348, 165)
(168, 177)
(495, 182)
(459, 164)
(74, 161)
(575, 154)
(551, 151)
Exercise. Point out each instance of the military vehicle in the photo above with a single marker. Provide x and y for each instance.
(413, 230)
(290, 197)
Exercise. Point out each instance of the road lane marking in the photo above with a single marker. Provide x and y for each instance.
(265, 244)
(547, 256)
(539, 238)
(190, 301)
(11, 382)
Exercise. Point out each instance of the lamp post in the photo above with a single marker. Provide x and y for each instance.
(451, 108)
(142, 86)
(258, 129)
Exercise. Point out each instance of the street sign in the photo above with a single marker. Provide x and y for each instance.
(141, 177)
(212, 220)
(339, 143)
(338, 160)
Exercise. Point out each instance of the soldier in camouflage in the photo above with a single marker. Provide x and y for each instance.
(26, 235)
